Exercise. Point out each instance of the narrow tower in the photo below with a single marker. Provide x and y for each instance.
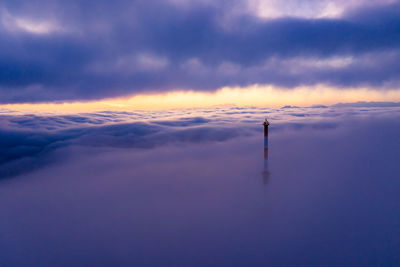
(266, 171)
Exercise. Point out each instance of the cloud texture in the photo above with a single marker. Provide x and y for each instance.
(187, 187)
(68, 50)
(29, 141)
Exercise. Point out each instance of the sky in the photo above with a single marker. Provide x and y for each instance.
(92, 52)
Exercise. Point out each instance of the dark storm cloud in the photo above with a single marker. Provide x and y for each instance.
(66, 50)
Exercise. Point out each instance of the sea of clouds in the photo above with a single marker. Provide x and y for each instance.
(27, 140)
(188, 187)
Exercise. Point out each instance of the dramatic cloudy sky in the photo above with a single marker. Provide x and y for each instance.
(94, 49)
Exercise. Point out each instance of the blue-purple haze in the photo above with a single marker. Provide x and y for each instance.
(80, 49)
(190, 187)
(185, 188)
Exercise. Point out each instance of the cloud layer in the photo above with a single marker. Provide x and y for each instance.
(29, 141)
(58, 50)
(188, 187)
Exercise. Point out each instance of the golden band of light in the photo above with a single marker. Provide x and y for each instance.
(256, 96)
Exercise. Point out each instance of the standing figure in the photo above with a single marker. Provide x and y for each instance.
(266, 171)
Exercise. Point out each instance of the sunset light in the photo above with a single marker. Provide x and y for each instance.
(162, 133)
(255, 96)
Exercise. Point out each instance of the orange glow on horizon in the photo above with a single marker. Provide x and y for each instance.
(255, 96)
